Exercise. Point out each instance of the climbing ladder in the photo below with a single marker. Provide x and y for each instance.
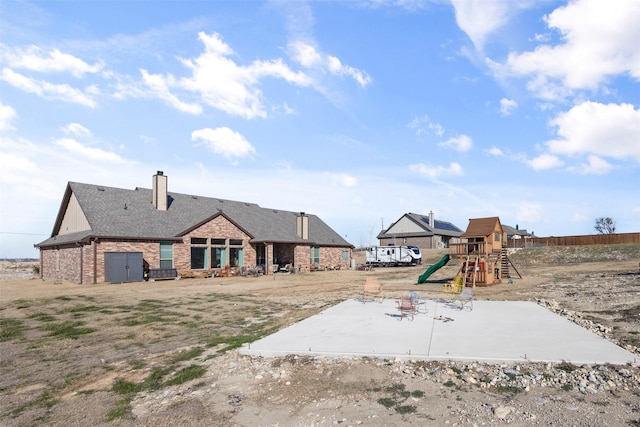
(506, 265)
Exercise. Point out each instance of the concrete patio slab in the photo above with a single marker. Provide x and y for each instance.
(492, 331)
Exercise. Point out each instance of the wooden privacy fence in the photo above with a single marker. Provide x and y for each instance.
(590, 239)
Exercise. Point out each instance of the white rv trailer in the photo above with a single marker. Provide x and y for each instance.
(391, 256)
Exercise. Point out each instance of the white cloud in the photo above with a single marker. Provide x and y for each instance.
(437, 128)
(35, 59)
(421, 124)
(160, 87)
(594, 166)
(344, 180)
(545, 161)
(599, 41)
(15, 166)
(224, 141)
(460, 143)
(494, 151)
(478, 18)
(55, 92)
(92, 153)
(507, 106)
(7, 116)
(76, 129)
(433, 172)
(579, 217)
(529, 212)
(608, 130)
(308, 56)
(227, 86)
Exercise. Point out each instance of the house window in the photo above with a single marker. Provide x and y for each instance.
(198, 240)
(198, 258)
(345, 255)
(220, 242)
(236, 242)
(315, 255)
(166, 255)
(261, 255)
(496, 237)
(235, 257)
(218, 257)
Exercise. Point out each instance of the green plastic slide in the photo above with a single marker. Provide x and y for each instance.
(424, 276)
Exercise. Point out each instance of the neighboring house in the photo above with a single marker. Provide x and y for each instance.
(515, 233)
(481, 249)
(97, 224)
(423, 231)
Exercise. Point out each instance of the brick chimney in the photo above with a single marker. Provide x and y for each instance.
(160, 191)
(302, 226)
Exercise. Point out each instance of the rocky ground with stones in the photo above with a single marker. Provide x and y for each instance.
(165, 353)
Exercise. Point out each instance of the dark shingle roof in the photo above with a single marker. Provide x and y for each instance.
(440, 228)
(115, 212)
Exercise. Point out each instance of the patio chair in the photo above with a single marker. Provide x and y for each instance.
(465, 299)
(454, 287)
(417, 302)
(285, 269)
(406, 306)
(372, 288)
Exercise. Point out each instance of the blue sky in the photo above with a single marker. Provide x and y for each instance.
(357, 111)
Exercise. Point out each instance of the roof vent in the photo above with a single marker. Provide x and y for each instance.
(100, 188)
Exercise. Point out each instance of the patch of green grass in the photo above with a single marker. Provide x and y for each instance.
(387, 402)
(508, 389)
(567, 387)
(11, 329)
(188, 355)
(42, 317)
(121, 409)
(186, 374)
(121, 386)
(44, 400)
(80, 309)
(449, 383)
(137, 363)
(566, 367)
(67, 329)
(394, 388)
(405, 409)
(231, 342)
(64, 298)
(398, 397)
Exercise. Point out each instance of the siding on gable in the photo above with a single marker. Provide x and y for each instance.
(74, 219)
(405, 225)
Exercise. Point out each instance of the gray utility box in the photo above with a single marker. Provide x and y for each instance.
(120, 267)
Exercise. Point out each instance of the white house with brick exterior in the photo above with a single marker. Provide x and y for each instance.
(102, 231)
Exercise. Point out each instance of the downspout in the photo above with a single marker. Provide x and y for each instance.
(81, 264)
(95, 261)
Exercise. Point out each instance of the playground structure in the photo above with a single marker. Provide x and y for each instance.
(432, 269)
(483, 259)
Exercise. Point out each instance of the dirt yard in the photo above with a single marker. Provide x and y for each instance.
(165, 353)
